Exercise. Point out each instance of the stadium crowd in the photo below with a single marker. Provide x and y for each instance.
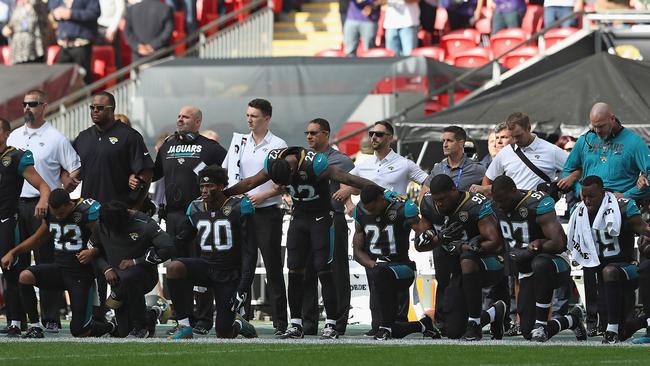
(501, 255)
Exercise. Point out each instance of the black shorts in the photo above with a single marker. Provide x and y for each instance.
(629, 274)
(490, 265)
(310, 235)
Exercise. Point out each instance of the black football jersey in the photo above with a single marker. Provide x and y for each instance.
(70, 235)
(387, 235)
(308, 190)
(472, 208)
(612, 249)
(219, 233)
(13, 163)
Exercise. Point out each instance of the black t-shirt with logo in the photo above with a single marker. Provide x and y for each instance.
(179, 162)
(108, 158)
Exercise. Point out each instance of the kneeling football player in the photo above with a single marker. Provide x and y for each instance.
(381, 244)
(219, 224)
(70, 222)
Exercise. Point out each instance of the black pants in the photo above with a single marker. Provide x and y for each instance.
(81, 287)
(427, 16)
(8, 240)
(341, 273)
(267, 223)
(80, 56)
(458, 21)
(445, 265)
(595, 304)
(51, 300)
(134, 283)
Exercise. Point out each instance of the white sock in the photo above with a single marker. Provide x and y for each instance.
(648, 320)
(422, 325)
(475, 320)
(185, 322)
(492, 312)
(36, 325)
(389, 329)
(296, 321)
(570, 320)
(331, 322)
(540, 323)
(543, 306)
(15, 323)
(612, 328)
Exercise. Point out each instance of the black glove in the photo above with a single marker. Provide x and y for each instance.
(152, 257)
(424, 239)
(451, 232)
(238, 300)
(453, 247)
(475, 244)
(518, 255)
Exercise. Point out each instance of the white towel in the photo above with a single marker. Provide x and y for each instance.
(232, 162)
(581, 241)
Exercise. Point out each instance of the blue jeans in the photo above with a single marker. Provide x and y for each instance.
(402, 40)
(555, 13)
(355, 30)
(510, 19)
(191, 24)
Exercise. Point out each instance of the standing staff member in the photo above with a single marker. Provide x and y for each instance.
(52, 154)
(245, 159)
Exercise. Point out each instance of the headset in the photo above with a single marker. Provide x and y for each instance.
(187, 136)
(611, 135)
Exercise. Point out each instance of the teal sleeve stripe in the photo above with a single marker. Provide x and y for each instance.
(246, 207)
(25, 161)
(188, 213)
(632, 209)
(93, 211)
(320, 164)
(486, 210)
(410, 209)
(266, 165)
(354, 214)
(545, 206)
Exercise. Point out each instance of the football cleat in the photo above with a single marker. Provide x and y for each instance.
(513, 331)
(578, 324)
(371, 333)
(610, 337)
(539, 334)
(473, 332)
(13, 331)
(112, 302)
(643, 339)
(152, 320)
(202, 328)
(329, 332)
(138, 333)
(430, 330)
(182, 332)
(173, 329)
(293, 332)
(279, 332)
(33, 332)
(246, 329)
(383, 334)
(52, 327)
(496, 327)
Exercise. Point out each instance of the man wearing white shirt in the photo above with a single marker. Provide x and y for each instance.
(391, 171)
(542, 154)
(52, 154)
(401, 22)
(108, 23)
(267, 219)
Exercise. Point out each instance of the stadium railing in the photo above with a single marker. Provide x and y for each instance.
(245, 32)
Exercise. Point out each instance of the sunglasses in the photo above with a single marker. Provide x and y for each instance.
(31, 104)
(312, 133)
(99, 107)
(379, 134)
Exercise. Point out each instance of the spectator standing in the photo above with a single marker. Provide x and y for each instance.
(76, 31)
(149, 27)
(360, 25)
(111, 12)
(402, 20)
(462, 14)
(246, 157)
(6, 9)
(555, 10)
(28, 32)
(506, 13)
(428, 15)
(189, 8)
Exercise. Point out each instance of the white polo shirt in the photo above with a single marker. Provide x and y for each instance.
(52, 152)
(546, 156)
(252, 161)
(394, 172)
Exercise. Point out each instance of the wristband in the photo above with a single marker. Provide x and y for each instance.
(106, 271)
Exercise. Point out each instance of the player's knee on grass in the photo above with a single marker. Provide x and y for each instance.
(469, 266)
(611, 273)
(27, 278)
(176, 270)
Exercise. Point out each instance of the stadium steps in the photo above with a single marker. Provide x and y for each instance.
(304, 33)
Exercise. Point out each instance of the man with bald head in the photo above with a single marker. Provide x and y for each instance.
(616, 155)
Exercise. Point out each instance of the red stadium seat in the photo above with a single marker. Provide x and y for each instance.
(459, 41)
(475, 57)
(125, 49)
(206, 11)
(103, 62)
(52, 54)
(556, 35)
(179, 31)
(533, 20)
(381, 32)
(425, 38)
(505, 39)
(351, 145)
(433, 52)
(432, 107)
(378, 52)
(443, 98)
(5, 54)
(519, 56)
(332, 52)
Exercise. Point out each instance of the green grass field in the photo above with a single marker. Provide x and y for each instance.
(318, 353)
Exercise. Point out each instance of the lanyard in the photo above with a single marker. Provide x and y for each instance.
(460, 172)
